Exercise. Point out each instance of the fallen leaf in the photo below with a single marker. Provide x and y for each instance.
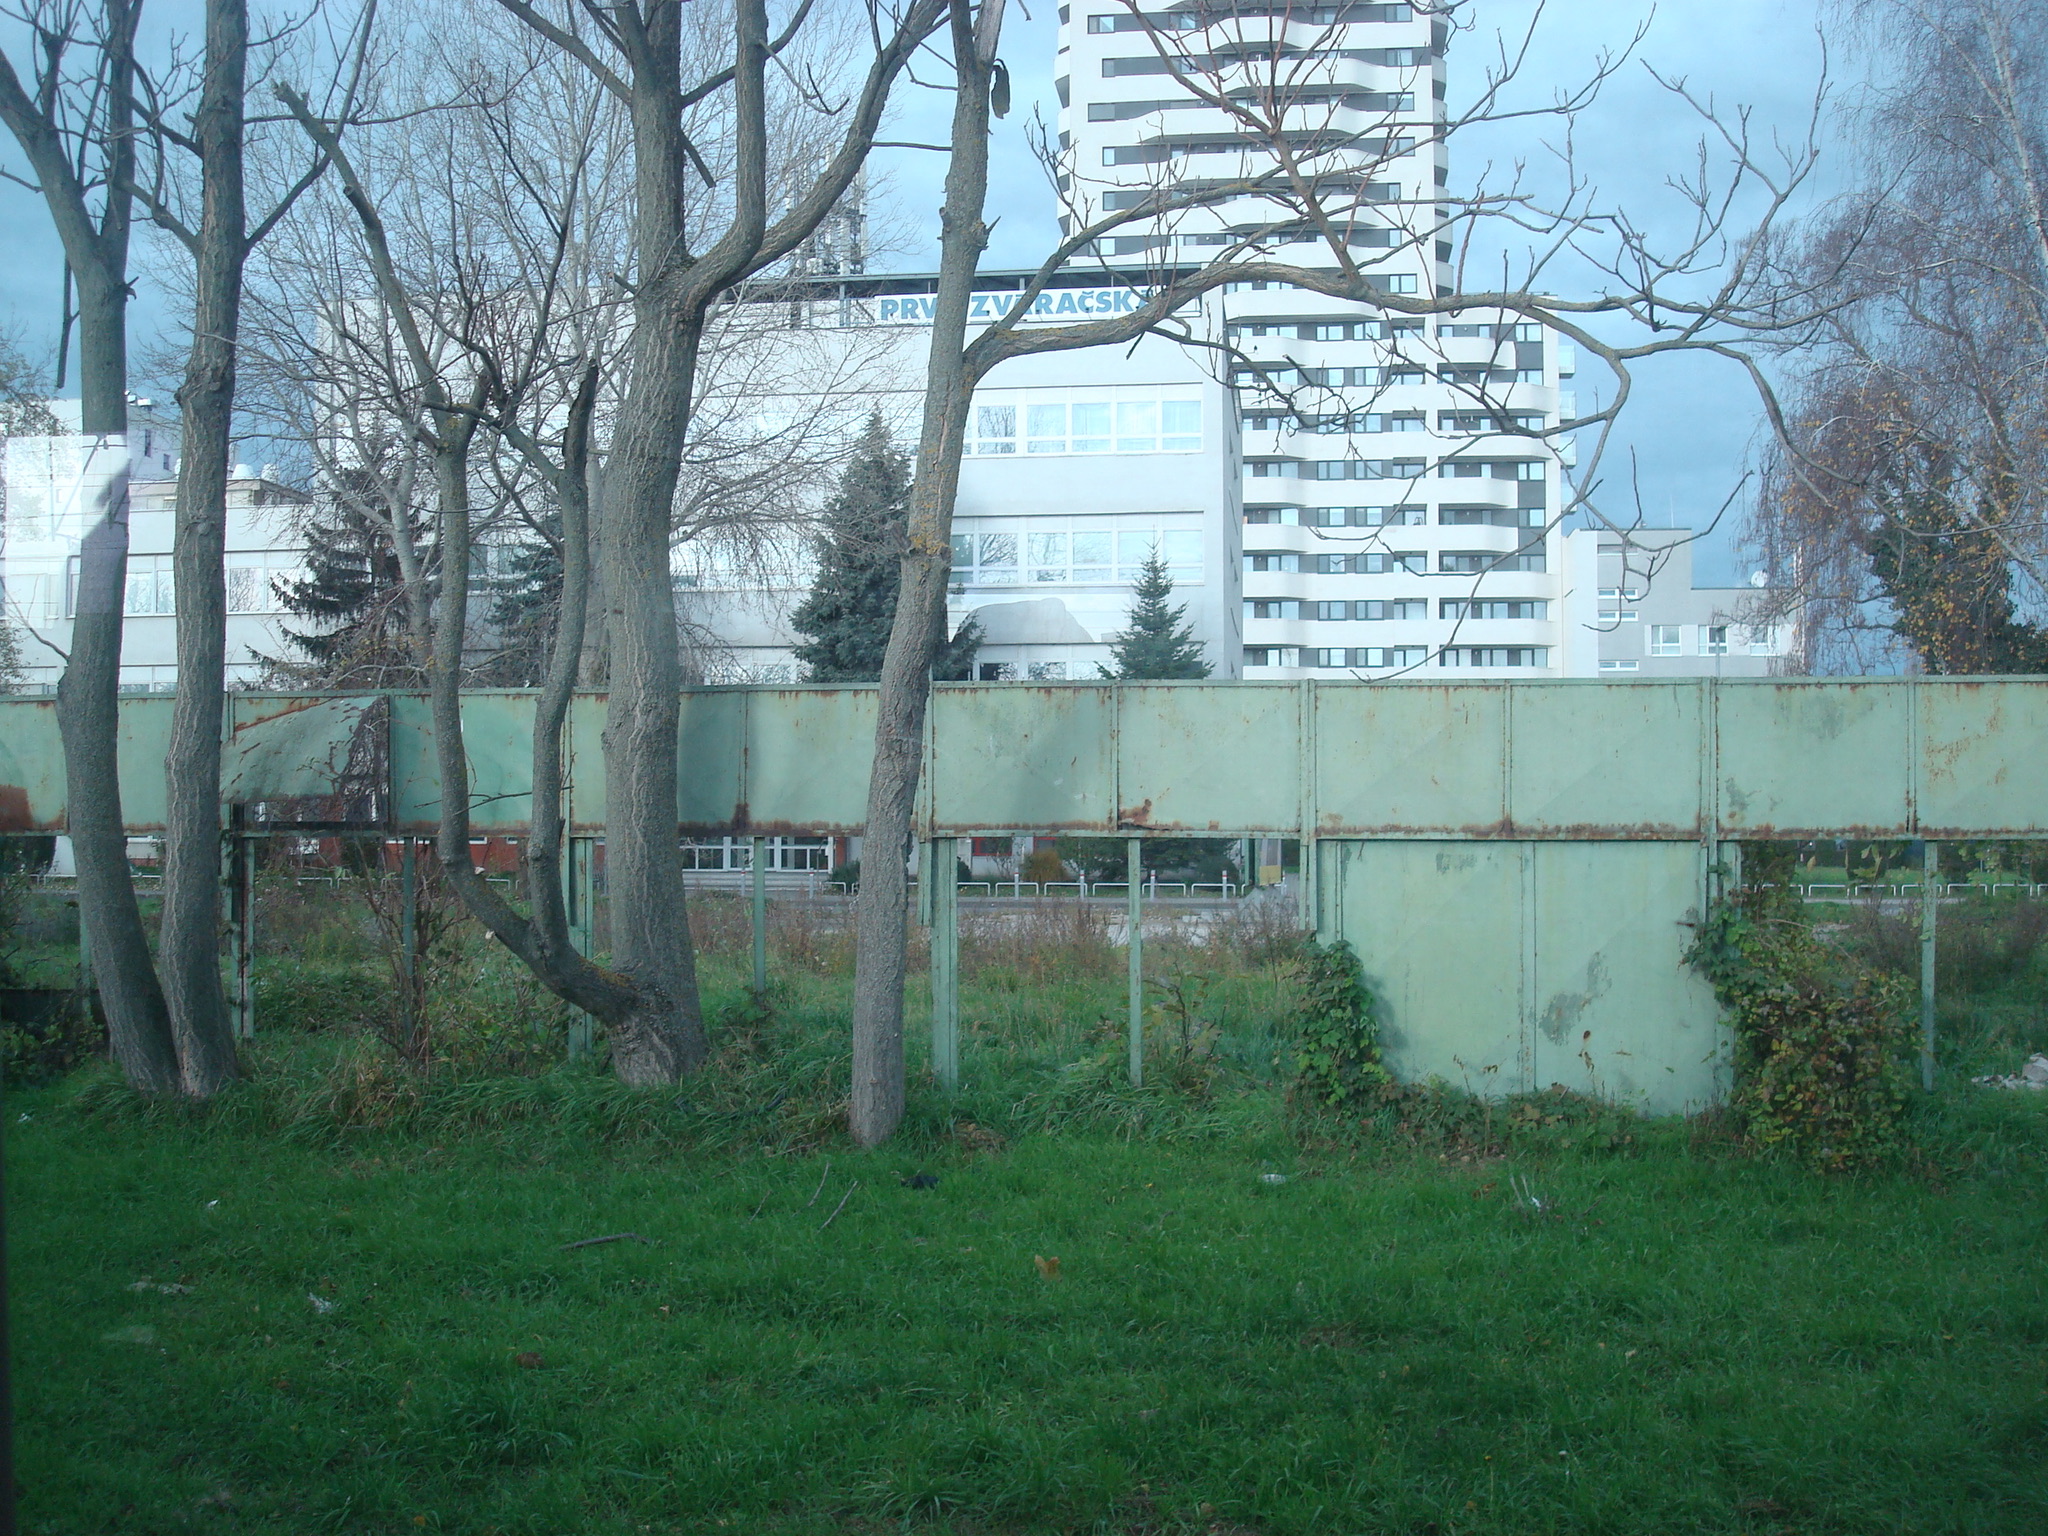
(1048, 1269)
(527, 1359)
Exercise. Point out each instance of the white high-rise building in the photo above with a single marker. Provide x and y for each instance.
(1398, 514)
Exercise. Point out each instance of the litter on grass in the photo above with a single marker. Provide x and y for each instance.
(2033, 1075)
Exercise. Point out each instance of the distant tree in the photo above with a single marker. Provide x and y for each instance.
(852, 601)
(526, 599)
(12, 674)
(362, 635)
(1158, 643)
(1938, 557)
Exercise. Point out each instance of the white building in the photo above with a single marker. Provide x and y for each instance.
(52, 488)
(1398, 514)
(1079, 466)
(1656, 621)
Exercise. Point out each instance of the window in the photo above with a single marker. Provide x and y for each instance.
(1371, 610)
(1272, 608)
(1411, 562)
(1365, 469)
(1620, 666)
(1494, 608)
(1495, 656)
(995, 672)
(1763, 642)
(1365, 517)
(1047, 671)
(1663, 640)
(1114, 425)
(1714, 640)
(149, 588)
(1272, 656)
(1083, 552)
(1271, 560)
(1489, 517)
(253, 581)
(1376, 656)
(1619, 616)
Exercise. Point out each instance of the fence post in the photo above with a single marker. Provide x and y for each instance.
(579, 882)
(1134, 924)
(945, 930)
(759, 862)
(1930, 867)
(245, 956)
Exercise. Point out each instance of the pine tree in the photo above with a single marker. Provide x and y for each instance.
(1158, 644)
(354, 592)
(526, 598)
(852, 602)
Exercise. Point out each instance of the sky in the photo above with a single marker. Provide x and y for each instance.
(1686, 438)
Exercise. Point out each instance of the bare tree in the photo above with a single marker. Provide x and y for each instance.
(688, 251)
(1923, 385)
(217, 241)
(1716, 291)
(75, 122)
(498, 343)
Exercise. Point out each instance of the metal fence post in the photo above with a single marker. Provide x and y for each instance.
(578, 894)
(945, 930)
(759, 862)
(1134, 923)
(245, 938)
(1930, 871)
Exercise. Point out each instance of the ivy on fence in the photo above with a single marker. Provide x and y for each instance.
(1820, 1040)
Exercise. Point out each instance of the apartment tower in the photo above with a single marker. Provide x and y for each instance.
(1400, 518)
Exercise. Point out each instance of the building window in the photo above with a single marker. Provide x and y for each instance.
(1714, 640)
(149, 590)
(1409, 562)
(1272, 608)
(1495, 656)
(1271, 560)
(1272, 656)
(1044, 552)
(1493, 608)
(1370, 610)
(1047, 671)
(253, 580)
(1619, 616)
(995, 672)
(1365, 517)
(1069, 426)
(1763, 642)
(1619, 666)
(1663, 640)
(1373, 656)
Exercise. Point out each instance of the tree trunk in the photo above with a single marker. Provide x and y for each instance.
(138, 1026)
(882, 918)
(650, 928)
(189, 938)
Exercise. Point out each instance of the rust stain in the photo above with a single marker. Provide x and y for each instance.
(284, 707)
(1139, 815)
(15, 815)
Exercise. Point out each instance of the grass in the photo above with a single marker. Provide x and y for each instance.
(1678, 1339)
(338, 1300)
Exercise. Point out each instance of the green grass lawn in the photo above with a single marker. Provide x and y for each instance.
(221, 1329)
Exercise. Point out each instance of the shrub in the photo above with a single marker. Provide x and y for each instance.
(1819, 1038)
(1337, 1031)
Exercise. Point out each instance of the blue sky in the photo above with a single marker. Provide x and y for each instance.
(1689, 431)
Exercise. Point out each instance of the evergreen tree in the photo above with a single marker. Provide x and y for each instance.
(355, 594)
(526, 597)
(852, 603)
(1158, 644)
